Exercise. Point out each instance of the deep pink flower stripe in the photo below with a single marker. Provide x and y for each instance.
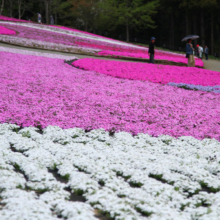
(154, 73)
(6, 31)
(4, 18)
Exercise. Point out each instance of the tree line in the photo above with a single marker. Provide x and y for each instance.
(131, 20)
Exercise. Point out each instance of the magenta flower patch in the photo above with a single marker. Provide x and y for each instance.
(154, 73)
(4, 18)
(6, 31)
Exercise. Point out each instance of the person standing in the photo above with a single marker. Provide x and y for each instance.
(39, 18)
(51, 20)
(151, 50)
(206, 53)
(189, 52)
(197, 51)
(200, 50)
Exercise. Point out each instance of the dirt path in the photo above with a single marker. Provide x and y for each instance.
(60, 53)
(212, 65)
(209, 64)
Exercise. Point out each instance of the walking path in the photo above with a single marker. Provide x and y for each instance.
(209, 64)
(212, 65)
(61, 53)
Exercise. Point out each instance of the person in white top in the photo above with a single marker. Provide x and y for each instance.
(200, 50)
(39, 18)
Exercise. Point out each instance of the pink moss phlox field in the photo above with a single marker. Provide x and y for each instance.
(151, 72)
(6, 31)
(42, 35)
(44, 91)
(110, 48)
(158, 56)
(4, 18)
(61, 38)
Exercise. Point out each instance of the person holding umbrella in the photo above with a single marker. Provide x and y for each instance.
(189, 49)
(189, 52)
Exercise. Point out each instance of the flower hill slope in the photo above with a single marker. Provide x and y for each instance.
(29, 34)
(132, 178)
(41, 91)
(56, 35)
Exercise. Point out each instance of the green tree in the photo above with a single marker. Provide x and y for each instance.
(130, 13)
(2, 6)
(85, 12)
(201, 5)
(56, 9)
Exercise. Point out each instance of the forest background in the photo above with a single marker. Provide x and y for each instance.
(129, 20)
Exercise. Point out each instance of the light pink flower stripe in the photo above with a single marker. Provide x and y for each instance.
(44, 91)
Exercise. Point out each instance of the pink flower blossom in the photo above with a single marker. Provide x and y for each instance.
(41, 91)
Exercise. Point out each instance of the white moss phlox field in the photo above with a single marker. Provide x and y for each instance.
(140, 177)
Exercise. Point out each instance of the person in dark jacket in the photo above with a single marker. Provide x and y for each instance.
(51, 20)
(206, 53)
(151, 50)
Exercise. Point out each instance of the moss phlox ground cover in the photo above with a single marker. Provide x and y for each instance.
(6, 31)
(132, 178)
(154, 73)
(100, 139)
(41, 91)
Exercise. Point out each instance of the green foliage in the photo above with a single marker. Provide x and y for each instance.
(143, 212)
(17, 167)
(208, 189)
(26, 134)
(85, 12)
(135, 184)
(167, 141)
(16, 130)
(79, 192)
(131, 14)
(66, 177)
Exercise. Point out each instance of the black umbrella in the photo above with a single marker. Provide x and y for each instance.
(192, 37)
